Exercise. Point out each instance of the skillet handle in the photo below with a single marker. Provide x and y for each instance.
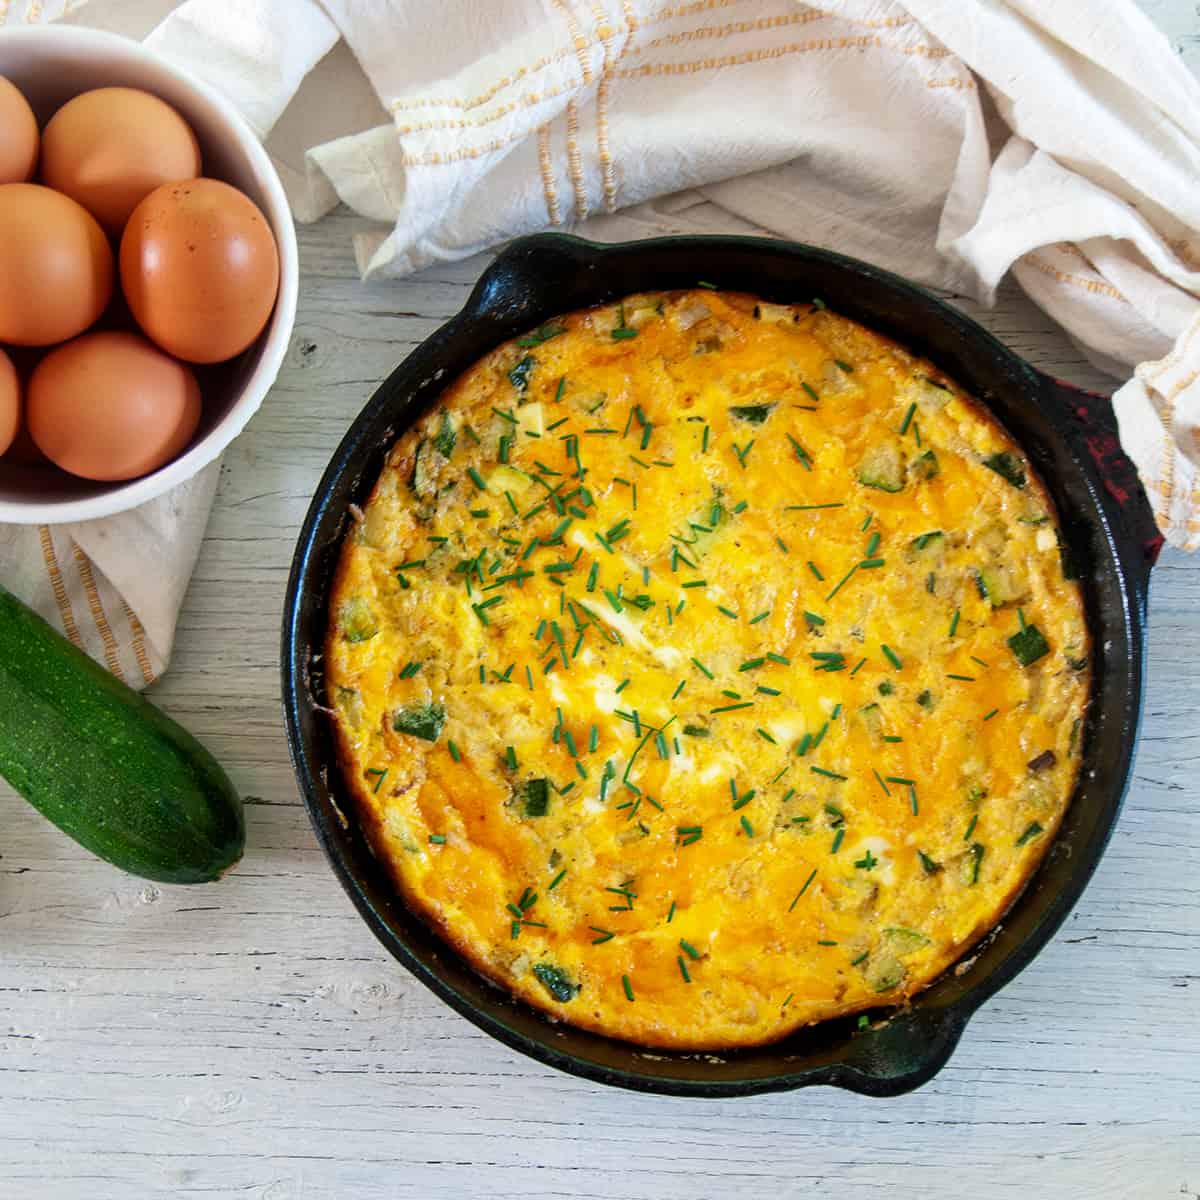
(1095, 426)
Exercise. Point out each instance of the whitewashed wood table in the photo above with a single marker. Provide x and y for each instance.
(252, 1039)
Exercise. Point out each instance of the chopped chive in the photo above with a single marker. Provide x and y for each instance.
(778, 658)
(812, 566)
(844, 580)
(991, 714)
(813, 619)
(380, 775)
(891, 656)
(697, 663)
(625, 978)
(971, 828)
(964, 678)
(689, 950)
(811, 877)
(683, 968)
(858, 668)
(732, 707)
(606, 935)
(455, 753)
(747, 826)
(813, 507)
(768, 691)
(695, 583)
(908, 416)
(886, 790)
(557, 880)
(954, 622)
(437, 839)
(681, 686)
(827, 774)
(837, 839)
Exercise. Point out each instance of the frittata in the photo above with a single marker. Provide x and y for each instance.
(704, 667)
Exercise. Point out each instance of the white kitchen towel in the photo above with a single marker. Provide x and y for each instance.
(951, 140)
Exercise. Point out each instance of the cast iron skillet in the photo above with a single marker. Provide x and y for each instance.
(1111, 543)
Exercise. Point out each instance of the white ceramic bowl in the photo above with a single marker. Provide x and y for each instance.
(50, 64)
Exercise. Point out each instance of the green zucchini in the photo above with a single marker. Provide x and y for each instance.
(536, 796)
(1028, 645)
(755, 414)
(106, 766)
(1008, 467)
(882, 468)
(423, 721)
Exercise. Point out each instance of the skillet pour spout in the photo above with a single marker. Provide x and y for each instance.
(1110, 542)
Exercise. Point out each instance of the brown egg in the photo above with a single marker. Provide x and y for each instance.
(18, 135)
(56, 267)
(10, 402)
(110, 148)
(200, 269)
(111, 406)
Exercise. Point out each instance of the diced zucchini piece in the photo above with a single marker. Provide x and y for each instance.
(508, 479)
(904, 941)
(349, 703)
(702, 528)
(423, 721)
(446, 436)
(1008, 467)
(518, 376)
(530, 418)
(535, 795)
(930, 396)
(872, 718)
(924, 466)
(357, 620)
(882, 468)
(556, 981)
(998, 585)
(884, 973)
(755, 414)
(422, 481)
(1028, 645)
(780, 314)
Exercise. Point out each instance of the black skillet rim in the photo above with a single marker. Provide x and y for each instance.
(923, 1035)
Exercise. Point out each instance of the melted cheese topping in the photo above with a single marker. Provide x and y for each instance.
(704, 668)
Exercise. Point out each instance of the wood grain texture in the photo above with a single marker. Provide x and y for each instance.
(251, 1039)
